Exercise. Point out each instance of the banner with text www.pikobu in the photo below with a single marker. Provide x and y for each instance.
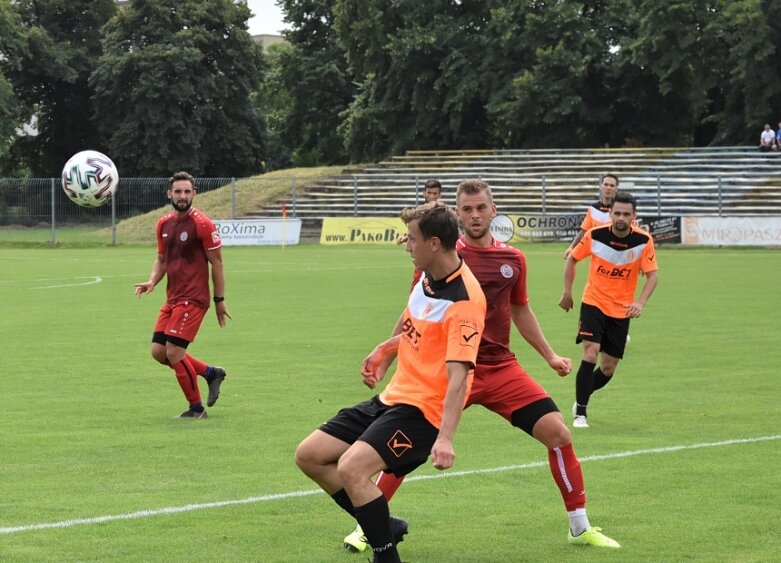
(362, 230)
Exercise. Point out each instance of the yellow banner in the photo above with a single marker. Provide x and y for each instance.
(361, 230)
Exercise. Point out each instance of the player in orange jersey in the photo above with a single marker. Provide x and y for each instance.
(500, 383)
(598, 213)
(418, 412)
(187, 244)
(619, 252)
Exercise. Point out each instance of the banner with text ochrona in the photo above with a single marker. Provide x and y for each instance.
(361, 230)
(256, 232)
(550, 228)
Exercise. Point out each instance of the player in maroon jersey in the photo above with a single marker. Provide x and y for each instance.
(187, 243)
(500, 383)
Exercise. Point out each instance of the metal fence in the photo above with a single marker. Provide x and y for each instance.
(37, 209)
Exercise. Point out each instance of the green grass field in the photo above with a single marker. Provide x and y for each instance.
(682, 462)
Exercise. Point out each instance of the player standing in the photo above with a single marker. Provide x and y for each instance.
(500, 383)
(187, 243)
(619, 251)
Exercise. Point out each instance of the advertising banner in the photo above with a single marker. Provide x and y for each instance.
(254, 232)
(663, 229)
(362, 230)
(732, 231)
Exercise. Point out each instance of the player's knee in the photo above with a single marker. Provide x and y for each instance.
(351, 470)
(305, 457)
(159, 355)
(552, 431)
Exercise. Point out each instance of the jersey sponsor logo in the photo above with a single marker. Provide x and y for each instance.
(613, 273)
(399, 443)
(165, 235)
(506, 270)
(215, 236)
(410, 332)
(183, 236)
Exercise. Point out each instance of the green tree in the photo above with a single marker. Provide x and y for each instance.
(752, 75)
(62, 44)
(416, 65)
(173, 89)
(12, 113)
(310, 78)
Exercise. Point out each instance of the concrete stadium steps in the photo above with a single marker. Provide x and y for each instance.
(665, 180)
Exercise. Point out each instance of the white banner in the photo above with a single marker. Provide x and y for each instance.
(259, 232)
(732, 231)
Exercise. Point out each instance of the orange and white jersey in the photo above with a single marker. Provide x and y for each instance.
(615, 266)
(443, 322)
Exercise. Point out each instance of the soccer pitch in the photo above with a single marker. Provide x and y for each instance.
(682, 460)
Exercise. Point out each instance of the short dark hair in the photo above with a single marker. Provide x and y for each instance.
(609, 175)
(625, 197)
(435, 219)
(474, 186)
(433, 184)
(181, 176)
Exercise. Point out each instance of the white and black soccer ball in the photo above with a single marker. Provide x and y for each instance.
(90, 178)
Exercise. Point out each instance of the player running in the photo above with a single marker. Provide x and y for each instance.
(619, 251)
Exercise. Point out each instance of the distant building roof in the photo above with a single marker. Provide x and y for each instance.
(267, 40)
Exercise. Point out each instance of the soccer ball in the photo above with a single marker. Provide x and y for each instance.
(89, 178)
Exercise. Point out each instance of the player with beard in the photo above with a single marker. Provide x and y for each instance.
(619, 253)
(500, 383)
(187, 243)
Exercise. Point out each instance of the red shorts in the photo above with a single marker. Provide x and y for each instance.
(181, 320)
(504, 388)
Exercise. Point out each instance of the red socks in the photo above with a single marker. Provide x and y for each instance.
(565, 467)
(187, 377)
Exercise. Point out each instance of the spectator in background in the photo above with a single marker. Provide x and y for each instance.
(767, 139)
(778, 137)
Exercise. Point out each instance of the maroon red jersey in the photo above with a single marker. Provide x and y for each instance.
(184, 243)
(501, 271)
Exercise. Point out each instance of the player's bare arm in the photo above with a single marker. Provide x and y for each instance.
(158, 272)
(569, 278)
(574, 243)
(376, 364)
(218, 282)
(635, 309)
(529, 327)
(443, 456)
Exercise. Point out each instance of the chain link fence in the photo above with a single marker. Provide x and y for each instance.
(36, 210)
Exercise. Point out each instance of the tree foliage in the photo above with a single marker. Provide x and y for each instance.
(173, 89)
(311, 85)
(12, 113)
(62, 44)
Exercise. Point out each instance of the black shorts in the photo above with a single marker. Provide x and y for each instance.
(596, 326)
(400, 433)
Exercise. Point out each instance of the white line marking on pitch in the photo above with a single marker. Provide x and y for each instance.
(281, 496)
(92, 281)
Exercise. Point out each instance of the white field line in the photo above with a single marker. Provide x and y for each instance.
(92, 281)
(282, 496)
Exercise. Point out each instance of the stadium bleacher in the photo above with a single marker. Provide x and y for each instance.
(739, 181)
